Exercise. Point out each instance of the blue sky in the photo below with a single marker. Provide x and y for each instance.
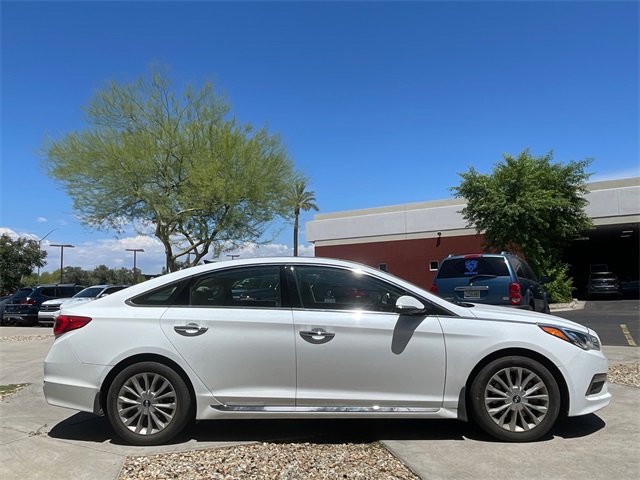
(379, 103)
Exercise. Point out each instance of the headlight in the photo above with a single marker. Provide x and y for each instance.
(585, 341)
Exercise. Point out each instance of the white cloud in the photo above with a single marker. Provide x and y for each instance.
(252, 250)
(113, 253)
(41, 220)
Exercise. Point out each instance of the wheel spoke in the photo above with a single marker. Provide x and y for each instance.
(516, 399)
(147, 403)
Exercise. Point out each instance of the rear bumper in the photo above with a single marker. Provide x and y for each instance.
(20, 318)
(70, 383)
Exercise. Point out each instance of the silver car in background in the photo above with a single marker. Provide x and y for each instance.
(50, 309)
(315, 338)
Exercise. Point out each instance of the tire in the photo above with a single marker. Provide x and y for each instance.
(148, 403)
(515, 399)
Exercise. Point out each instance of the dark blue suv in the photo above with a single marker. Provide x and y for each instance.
(24, 305)
(491, 278)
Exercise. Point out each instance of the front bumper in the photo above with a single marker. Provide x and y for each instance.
(586, 382)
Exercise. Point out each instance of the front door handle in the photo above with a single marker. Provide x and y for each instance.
(317, 335)
(190, 330)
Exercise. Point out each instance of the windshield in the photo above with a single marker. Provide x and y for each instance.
(602, 276)
(90, 292)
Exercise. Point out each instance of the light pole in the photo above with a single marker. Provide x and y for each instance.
(62, 247)
(135, 251)
(40, 248)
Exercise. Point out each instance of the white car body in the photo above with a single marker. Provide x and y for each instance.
(294, 361)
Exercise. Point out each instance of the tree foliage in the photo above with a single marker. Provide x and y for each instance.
(302, 200)
(101, 275)
(528, 204)
(18, 258)
(174, 163)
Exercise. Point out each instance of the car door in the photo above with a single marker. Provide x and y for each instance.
(239, 341)
(354, 351)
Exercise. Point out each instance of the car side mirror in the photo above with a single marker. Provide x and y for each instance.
(406, 305)
(544, 279)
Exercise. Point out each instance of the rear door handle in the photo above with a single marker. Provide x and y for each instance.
(190, 330)
(317, 335)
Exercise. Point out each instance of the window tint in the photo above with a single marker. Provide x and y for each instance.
(332, 288)
(238, 287)
(469, 267)
(518, 269)
(67, 292)
(529, 272)
(48, 292)
(110, 290)
(166, 295)
(22, 293)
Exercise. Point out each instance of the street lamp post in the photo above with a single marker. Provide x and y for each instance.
(40, 248)
(62, 247)
(135, 251)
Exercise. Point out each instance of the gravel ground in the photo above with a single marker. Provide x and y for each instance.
(272, 461)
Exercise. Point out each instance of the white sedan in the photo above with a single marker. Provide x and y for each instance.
(315, 338)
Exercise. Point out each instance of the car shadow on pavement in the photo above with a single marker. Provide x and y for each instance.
(89, 428)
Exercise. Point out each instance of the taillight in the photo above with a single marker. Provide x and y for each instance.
(434, 289)
(515, 295)
(67, 323)
(27, 301)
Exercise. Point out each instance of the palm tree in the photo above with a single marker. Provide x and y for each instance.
(302, 200)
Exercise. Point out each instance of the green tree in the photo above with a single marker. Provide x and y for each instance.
(528, 204)
(302, 201)
(175, 163)
(18, 259)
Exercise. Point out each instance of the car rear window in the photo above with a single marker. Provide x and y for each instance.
(22, 293)
(469, 267)
(601, 276)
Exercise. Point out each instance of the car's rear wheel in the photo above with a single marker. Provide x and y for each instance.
(515, 399)
(148, 403)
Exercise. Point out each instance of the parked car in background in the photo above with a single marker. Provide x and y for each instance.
(332, 339)
(491, 278)
(603, 284)
(3, 301)
(50, 308)
(23, 306)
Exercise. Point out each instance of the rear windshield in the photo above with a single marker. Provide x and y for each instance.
(599, 276)
(470, 267)
(22, 293)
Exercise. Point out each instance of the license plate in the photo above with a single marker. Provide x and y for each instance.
(472, 294)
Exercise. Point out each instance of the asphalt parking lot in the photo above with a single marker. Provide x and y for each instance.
(38, 441)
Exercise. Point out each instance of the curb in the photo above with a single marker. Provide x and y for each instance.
(574, 304)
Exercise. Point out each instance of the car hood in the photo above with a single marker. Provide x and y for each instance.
(492, 312)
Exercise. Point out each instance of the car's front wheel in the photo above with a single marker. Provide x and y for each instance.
(148, 403)
(515, 399)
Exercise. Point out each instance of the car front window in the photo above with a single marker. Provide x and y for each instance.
(341, 289)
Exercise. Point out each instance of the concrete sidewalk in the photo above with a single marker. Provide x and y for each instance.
(38, 441)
